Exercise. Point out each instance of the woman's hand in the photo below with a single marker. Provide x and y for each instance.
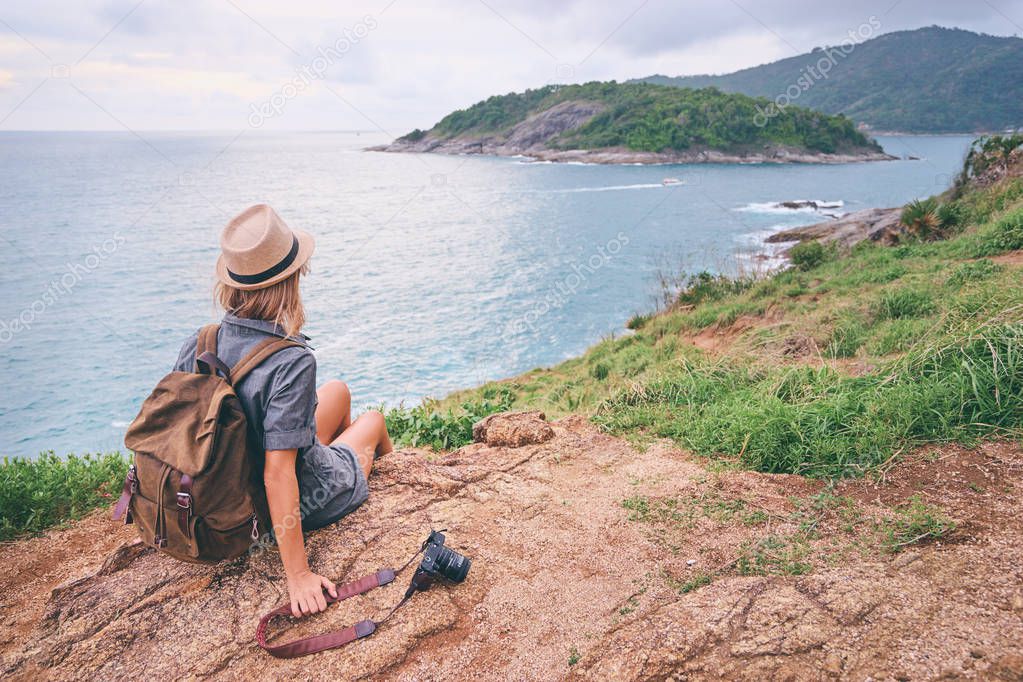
(306, 593)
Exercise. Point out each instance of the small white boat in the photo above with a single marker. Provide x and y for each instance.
(672, 181)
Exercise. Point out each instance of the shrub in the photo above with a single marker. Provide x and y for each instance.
(36, 494)
(600, 371)
(808, 255)
(705, 286)
(637, 321)
(989, 151)
(951, 216)
(920, 219)
(898, 303)
(425, 426)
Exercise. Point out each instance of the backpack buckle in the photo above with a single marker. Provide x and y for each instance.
(184, 501)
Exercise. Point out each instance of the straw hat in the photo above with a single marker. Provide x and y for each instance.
(258, 249)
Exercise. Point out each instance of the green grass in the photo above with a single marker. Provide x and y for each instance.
(897, 336)
(973, 271)
(823, 423)
(644, 509)
(696, 582)
(774, 555)
(914, 522)
(848, 335)
(904, 302)
(36, 494)
(1004, 235)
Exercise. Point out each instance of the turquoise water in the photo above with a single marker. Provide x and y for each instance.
(431, 273)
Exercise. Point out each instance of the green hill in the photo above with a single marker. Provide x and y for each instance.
(635, 117)
(931, 80)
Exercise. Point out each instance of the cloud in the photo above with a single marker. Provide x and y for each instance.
(199, 64)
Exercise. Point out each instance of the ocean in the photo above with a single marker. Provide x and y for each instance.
(431, 273)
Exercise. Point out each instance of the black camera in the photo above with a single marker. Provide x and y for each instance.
(443, 562)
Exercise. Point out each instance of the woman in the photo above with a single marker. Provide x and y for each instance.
(317, 458)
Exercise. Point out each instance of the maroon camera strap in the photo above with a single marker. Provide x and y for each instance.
(332, 640)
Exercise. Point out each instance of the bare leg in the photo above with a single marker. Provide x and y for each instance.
(333, 410)
(368, 437)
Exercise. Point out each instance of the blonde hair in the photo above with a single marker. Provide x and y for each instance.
(280, 303)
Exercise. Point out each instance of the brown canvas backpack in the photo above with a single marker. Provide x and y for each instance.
(195, 490)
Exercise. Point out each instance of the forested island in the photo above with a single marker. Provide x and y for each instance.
(610, 122)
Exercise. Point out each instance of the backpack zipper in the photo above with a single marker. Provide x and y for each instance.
(160, 539)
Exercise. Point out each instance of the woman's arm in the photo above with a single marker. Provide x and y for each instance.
(305, 588)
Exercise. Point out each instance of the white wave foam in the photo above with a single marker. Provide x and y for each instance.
(755, 249)
(758, 238)
(611, 188)
(777, 208)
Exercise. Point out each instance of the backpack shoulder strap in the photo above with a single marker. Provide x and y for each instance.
(257, 355)
(206, 342)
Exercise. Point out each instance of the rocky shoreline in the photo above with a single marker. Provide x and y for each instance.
(876, 224)
(494, 146)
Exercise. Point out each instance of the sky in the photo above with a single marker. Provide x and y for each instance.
(392, 65)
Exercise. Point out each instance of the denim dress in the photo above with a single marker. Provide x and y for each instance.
(279, 401)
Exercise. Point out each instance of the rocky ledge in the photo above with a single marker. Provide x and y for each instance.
(876, 224)
(591, 560)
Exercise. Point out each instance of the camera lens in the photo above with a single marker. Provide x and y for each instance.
(452, 565)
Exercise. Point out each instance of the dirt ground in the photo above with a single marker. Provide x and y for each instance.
(591, 560)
